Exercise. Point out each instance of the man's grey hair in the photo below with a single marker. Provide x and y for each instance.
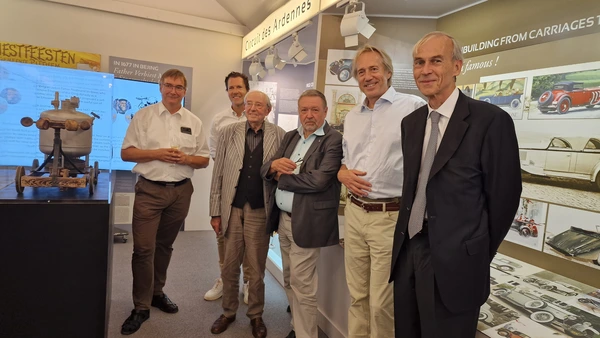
(314, 93)
(265, 97)
(457, 54)
(387, 60)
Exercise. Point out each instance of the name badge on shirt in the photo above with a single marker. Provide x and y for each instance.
(186, 130)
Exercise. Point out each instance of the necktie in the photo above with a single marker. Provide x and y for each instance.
(415, 222)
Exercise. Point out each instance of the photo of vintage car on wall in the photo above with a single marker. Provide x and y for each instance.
(341, 68)
(506, 94)
(549, 311)
(565, 157)
(568, 94)
(525, 226)
(577, 242)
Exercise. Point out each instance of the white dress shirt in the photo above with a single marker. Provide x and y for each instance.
(373, 142)
(153, 127)
(222, 119)
(445, 111)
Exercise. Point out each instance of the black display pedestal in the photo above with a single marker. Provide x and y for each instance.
(56, 251)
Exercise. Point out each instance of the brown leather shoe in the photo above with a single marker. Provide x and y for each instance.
(259, 330)
(221, 324)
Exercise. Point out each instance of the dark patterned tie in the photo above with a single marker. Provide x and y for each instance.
(415, 222)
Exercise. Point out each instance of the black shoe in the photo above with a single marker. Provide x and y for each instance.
(289, 310)
(134, 321)
(164, 303)
(292, 334)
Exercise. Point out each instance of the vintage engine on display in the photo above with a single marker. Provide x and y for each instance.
(66, 141)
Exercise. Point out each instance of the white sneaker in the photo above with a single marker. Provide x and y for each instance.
(246, 286)
(216, 292)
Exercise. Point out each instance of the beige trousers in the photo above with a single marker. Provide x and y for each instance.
(368, 241)
(221, 249)
(300, 280)
(246, 239)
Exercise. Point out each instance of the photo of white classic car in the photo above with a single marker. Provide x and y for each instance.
(553, 314)
(565, 157)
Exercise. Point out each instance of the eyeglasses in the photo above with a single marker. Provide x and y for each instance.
(169, 87)
(258, 105)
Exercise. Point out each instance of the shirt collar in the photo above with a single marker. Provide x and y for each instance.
(387, 96)
(318, 132)
(234, 114)
(248, 127)
(447, 107)
(162, 109)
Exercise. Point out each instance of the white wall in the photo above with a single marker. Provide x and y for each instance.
(212, 55)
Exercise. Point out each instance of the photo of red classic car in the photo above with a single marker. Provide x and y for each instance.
(525, 226)
(567, 94)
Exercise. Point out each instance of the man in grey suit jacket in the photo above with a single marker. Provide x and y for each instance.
(238, 201)
(303, 201)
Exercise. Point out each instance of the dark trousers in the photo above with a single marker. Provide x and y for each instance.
(158, 213)
(419, 311)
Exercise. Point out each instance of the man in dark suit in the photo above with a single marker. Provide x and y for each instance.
(303, 204)
(459, 198)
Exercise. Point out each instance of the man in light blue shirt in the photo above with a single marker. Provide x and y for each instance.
(304, 200)
(372, 171)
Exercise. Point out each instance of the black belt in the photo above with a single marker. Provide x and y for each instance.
(376, 206)
(167, 184)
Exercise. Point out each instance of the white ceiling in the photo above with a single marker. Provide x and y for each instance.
(250, 13)
(238, 17)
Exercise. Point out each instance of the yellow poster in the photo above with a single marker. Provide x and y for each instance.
(39, 55)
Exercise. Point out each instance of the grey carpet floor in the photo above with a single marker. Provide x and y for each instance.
(193, 269)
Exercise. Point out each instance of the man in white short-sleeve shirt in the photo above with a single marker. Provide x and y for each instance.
(167, 142)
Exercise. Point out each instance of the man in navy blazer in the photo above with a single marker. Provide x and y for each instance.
(441, 255)
(304, 196)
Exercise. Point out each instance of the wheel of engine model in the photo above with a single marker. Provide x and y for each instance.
(20, 172)
(91, 178)
(96, 171)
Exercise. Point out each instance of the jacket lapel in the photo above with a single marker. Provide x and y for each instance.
(453, 135)
(268, 141)
(415, 132)
(239, 139)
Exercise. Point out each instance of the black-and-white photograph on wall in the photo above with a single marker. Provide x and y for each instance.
(339, 67)
(573, 235)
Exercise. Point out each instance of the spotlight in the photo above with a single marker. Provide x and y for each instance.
(355, 22)
(256, 69)
(296, 52)
(273, 61)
